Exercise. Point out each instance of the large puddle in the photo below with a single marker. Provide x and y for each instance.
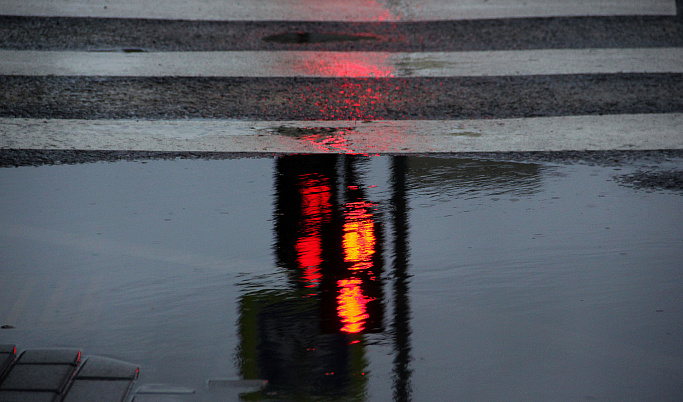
(350, 277)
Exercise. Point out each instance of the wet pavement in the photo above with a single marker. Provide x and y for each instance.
(505, 276)
(294, 98)
(118, 34)
(188, 190)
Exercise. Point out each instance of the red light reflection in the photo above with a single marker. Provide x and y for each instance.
(358, 247)
(315, 209)
(355, 98)
(336, 142)
(345, 64)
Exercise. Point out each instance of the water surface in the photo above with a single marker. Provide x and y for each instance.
(350, 277)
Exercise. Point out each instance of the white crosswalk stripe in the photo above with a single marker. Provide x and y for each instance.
(334, 10)
(342, 64)
(623, 132)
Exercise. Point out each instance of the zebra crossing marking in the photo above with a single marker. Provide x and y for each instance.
(333, 10)
(607, 132)
(342, 64)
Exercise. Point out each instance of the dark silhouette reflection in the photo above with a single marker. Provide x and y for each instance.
(447, 178)
(328, 237)
(309, 337)
(309, 340)
(401, 324)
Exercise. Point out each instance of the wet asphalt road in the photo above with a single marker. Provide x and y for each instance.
(281, 98)
(100, 34)
(339, 99)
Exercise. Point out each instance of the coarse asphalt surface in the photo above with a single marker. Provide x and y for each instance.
(101, 34)
(288, 98)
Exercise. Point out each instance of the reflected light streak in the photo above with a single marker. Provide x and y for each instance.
(309, 251)
(331, 143)
(352, 305)
(359, 235)
(344, 64)
(360, 95)
(315, 209)
(358, 244)
(352, 100)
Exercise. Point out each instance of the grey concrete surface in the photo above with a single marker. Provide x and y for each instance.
(102, 367)
(50, 356)
(46, 371)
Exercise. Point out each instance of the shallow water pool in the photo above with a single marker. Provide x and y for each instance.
(352, 277)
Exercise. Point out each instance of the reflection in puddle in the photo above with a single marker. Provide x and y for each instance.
(359, 234)
(446, 178)
(347, 277)
(315, 209)
(351, 305)
(310, 338)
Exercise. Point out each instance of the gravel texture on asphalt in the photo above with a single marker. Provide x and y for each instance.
(339, 98)
(101, 34)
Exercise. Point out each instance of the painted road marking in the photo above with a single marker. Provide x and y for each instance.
(334, 10)
(608, 132)
(342, 64)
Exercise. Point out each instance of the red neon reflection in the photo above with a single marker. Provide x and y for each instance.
(346, 64)
(352, 305)
(357, 98)
(309, 252)
(336, 142)
(315, 209)
(359, 234)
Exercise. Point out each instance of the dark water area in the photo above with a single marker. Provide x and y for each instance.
(346, 277)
